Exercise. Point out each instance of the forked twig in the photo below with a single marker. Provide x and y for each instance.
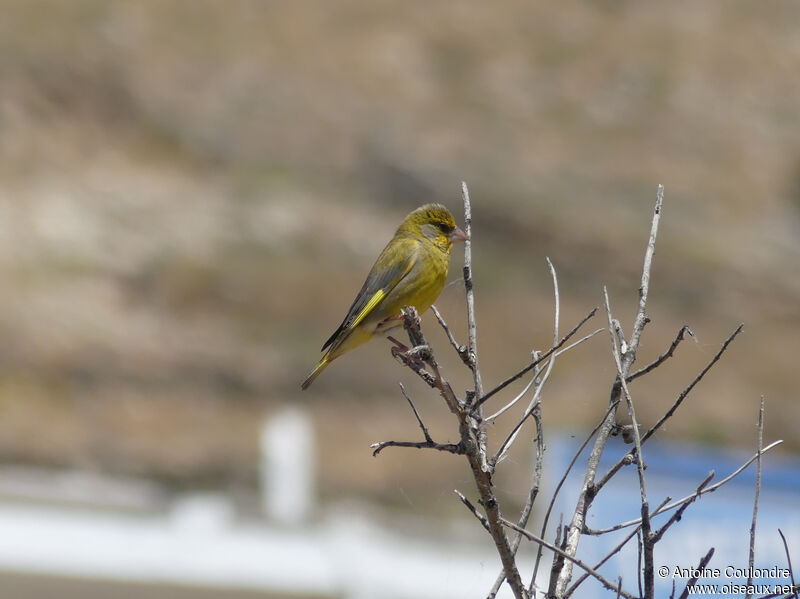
(571, 559)
(428, 443)
(628, 353)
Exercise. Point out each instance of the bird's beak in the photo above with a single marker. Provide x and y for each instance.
(458, 235)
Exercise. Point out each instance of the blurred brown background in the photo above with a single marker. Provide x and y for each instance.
(192, 192)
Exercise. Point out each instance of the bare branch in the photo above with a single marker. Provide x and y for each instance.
(472, 329)
(455, 448)
(752, 550)
(472, 335)
(573, 560)
(420, 354)
(628, 355)
(471, 425)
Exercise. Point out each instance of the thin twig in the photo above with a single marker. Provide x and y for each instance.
(582, 578)
(647, 539)
(489, 394)
(461, 350)
(455, 448)
(752, 551)
(472, 329)
(693, 580)
(558, 559)
(679, 502)
(533, 493)
(665, 356)
(560, 484)
(425, 432)
(626, 459)
(429, 443)
(628, 351)
(416, 360)
(678, 514)
(573, 560)
(539, 381)
(788, 560)
(608, 556)
(481, 518)
(691, 385)
(472, 426)
(520, 395)
(535, 356)
(641, 313)
(579, 341)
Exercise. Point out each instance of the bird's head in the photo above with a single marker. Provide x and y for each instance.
(435, 223)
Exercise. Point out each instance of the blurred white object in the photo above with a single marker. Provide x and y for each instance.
(288, 466)
(202, 513)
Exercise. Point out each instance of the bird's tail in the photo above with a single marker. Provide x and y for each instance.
(323, 363)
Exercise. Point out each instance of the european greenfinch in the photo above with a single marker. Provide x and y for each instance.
(410, 271)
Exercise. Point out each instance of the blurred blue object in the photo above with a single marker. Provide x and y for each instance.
(720, 519)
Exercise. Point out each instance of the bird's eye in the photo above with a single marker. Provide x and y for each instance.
(444, 228)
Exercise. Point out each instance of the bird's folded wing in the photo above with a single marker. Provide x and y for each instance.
(384, 276)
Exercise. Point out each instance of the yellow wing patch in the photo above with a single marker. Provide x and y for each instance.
(373, 301)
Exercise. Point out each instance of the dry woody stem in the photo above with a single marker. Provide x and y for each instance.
(473, 444)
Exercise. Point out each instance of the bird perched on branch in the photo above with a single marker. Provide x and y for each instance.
(410, 271)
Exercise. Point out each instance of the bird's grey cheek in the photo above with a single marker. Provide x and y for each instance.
(430, 231)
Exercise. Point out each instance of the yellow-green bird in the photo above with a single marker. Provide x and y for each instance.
(411, 271)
